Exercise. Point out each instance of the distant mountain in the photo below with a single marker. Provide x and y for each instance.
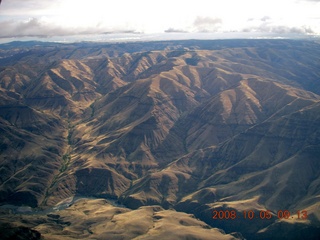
(195, 126)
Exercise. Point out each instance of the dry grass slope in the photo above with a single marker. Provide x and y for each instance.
(190, 125)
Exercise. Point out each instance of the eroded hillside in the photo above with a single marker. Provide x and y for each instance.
(189, 125)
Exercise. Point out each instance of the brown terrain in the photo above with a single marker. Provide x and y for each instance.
(171, 130)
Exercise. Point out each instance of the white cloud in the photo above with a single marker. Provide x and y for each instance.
(41, 28)
(207, 24)
(267, 25)
(31, 27)
(174, 30)
(281, 29)
(70, 17)
(29, 7)
(265, 18)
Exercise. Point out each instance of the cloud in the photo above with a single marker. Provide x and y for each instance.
(265, 18)
(35, 27)
(207, 24)
(29, 3)
(268, 25)
(200, 21)
(48, 18)
(31, 27)
(25, 7)
(261, 20)
(173, 30)
(280, 29)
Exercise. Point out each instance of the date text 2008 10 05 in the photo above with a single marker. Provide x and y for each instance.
(263, 214)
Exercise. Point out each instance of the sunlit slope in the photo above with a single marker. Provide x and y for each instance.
(97, 219)
(191, 125)
(276, 138)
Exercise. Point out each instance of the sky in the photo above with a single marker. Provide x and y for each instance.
(23, 19)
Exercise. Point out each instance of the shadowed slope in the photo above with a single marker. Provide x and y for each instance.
(191, 125)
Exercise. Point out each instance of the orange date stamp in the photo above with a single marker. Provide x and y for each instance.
(263, 214)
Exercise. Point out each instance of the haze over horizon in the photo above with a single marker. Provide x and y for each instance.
(72, 20)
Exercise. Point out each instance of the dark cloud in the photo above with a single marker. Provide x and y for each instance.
(207, 24)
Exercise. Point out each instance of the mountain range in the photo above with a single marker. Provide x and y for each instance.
(170, 130)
